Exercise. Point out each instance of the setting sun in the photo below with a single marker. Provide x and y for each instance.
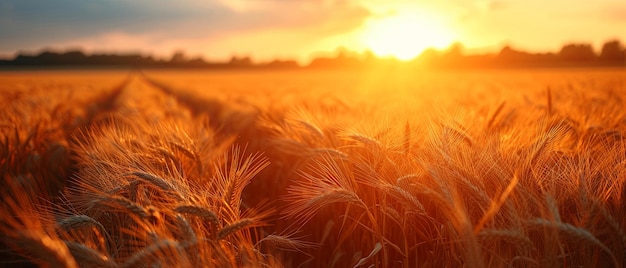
(405, 36)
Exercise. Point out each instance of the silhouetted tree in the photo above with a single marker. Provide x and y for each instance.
(577, 52)
(369, 56)
(613, 51)
(74, 57)
(455, 50)
(196, 62)
(344, 58)
(240, 62)
(428, 55)
(282, 64)
(508, 54)
(178, 57)
(452, 56)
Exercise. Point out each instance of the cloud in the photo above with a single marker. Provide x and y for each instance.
(80, 17)
(211, 29)
(326, 19)
(28, 23)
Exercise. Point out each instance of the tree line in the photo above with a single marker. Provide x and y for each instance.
(611, 54)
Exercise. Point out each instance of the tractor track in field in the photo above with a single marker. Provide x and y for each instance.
(137, 95)
(228, 121)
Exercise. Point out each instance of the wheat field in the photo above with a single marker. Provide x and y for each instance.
(385, 168)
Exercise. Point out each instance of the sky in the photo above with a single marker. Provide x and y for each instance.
(301, 29)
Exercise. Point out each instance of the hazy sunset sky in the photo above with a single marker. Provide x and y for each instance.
(264, 29)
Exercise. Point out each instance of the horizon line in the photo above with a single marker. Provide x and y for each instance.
(467, 51)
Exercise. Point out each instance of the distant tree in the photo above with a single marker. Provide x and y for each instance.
(282, 64)
(613, 51)
(178, 57)
(196, 62)
(455, 50)
(74, 54)
(430, 53)
(429, 57)
(343, 52)
(240, 61)
(369, 56)
(577, 52)
(452, 56)
(73, 57)
(508, 53)
(510, 56)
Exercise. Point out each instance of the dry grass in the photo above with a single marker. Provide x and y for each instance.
(166, 170)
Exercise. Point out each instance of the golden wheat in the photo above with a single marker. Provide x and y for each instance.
(154, 171)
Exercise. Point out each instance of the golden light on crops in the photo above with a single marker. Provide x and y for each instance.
(405, 36)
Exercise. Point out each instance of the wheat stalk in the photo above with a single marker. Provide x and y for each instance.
(191, 154)
(200, 212)
(407, 138)
(407, 199)
(284, 242)
(549, 97)
(495, 114)
(495, 206)
(376, 249)
(577, 233)
(188, 234)
(365, 140)
(402, 180)
(44, 248)
(130, 206)
(313, 129)
(79, 221)
(234, 227)
(152, 253)
(214, 221)
(510, 236)
(154, 180)
(459, 133)
(88, 257)
(615, 227)
(330, 151)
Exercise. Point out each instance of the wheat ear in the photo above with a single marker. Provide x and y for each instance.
(154, 180)
(512, 237)
(495, 206)
(149, 254)
(495, 114)
(78, 221)
(579, 234)
(284, 243)
(43, 247)
(364, 260)
(202, 213)
(88, 257)
(234, 227)
(189, 235)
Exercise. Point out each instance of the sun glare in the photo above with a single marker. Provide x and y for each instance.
(405, 36)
